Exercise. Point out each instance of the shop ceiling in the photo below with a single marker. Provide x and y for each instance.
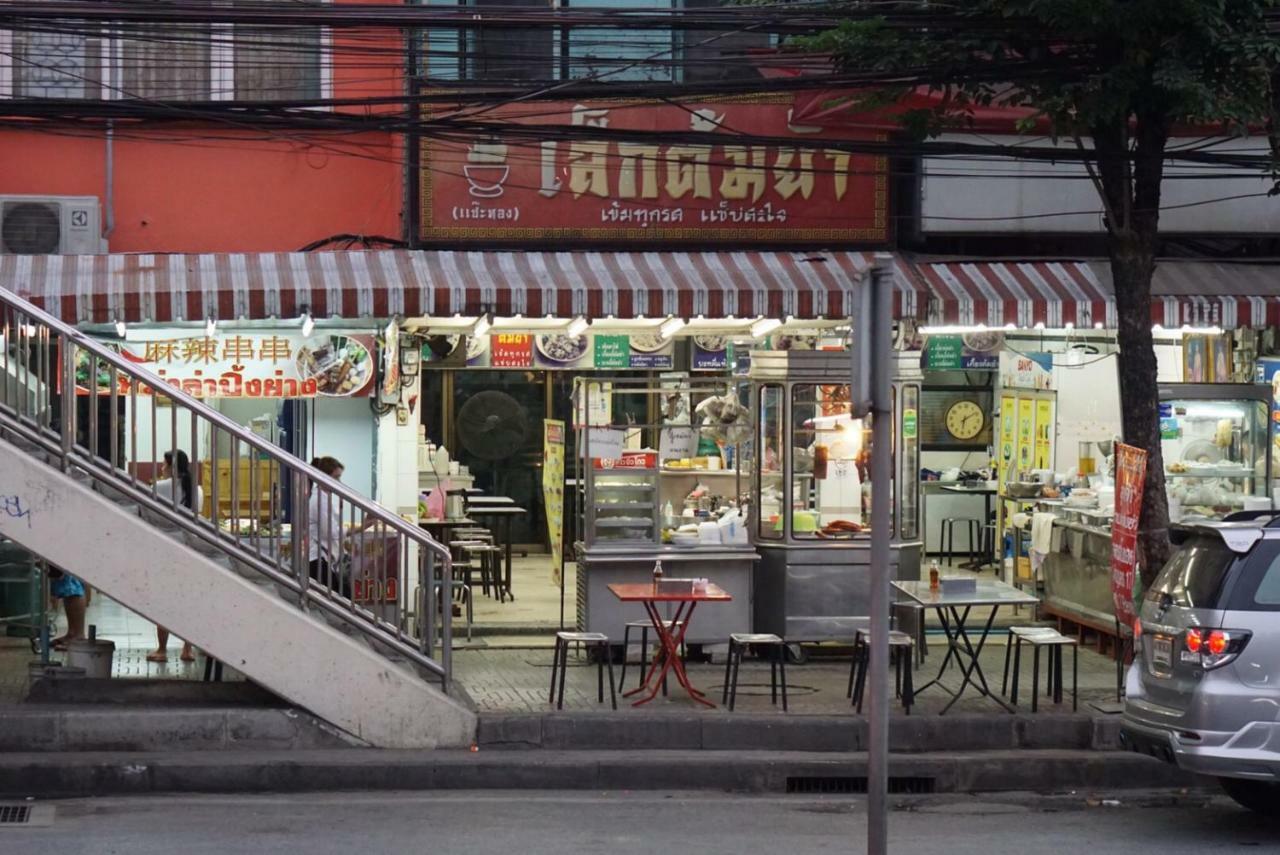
(670, 292)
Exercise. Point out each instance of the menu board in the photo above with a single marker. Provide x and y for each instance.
(553, 434)
(563, 352)
(1044, 435)
(1026, 435)
(1131, 475)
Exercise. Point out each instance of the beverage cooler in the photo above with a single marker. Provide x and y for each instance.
(810, 495)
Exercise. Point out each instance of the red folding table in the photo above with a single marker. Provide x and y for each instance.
(668, 655)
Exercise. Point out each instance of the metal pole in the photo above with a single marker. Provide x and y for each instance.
(881, 354)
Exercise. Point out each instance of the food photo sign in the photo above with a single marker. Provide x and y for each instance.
(562, 352)
(270, 365)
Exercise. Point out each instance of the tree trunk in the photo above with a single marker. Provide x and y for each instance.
(1131, 272)
(1131, 170)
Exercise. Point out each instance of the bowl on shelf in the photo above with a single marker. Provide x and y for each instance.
(1023, 489)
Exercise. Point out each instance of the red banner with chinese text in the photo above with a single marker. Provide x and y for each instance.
(1131, 475)
(581, 190)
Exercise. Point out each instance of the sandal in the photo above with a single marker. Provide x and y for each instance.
(187, 656)
(157, 657)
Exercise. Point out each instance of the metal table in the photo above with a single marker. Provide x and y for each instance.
(670, 635)
(987, 493)
(953, 611)
(505, 513)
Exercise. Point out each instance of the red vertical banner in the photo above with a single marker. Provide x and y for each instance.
(1131, 474)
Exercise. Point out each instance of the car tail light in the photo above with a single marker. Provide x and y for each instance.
(1216, 647)
(1137, 628)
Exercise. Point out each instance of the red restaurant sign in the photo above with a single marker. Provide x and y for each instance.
(494, 189)
(1131, 474)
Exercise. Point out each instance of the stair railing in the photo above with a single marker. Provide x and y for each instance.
(86, 407)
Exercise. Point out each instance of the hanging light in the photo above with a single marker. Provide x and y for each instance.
(121, 329)
(210, 327)
(578, 326)
(764, 326)
(671, 326)
(308, 325)
(482, 326)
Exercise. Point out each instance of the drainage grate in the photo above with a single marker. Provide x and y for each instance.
(15, 814)
(901, 785)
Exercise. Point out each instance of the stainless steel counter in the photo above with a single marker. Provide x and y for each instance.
(1077, 572)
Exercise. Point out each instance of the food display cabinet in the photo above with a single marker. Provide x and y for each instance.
(1216, 442)
(664, 474)
(810, 495)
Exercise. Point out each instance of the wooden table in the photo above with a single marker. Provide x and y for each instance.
(439, 529)
(953, 611)
(670, 633)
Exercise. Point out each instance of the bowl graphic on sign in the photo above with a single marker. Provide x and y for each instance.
(486, 179)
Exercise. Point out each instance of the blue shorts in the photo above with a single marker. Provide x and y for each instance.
(66, 586)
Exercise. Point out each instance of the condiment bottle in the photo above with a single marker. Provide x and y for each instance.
(657, 575)
(934, 579)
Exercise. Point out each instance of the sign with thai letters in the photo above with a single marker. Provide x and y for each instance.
(503, 188)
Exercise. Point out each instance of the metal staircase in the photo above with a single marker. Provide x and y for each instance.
(361, 640)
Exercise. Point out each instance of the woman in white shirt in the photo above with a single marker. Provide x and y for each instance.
(325, 531)
(177, 487)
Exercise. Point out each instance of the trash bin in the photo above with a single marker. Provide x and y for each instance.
(93, 654)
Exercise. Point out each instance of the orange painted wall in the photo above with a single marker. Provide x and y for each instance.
(176, 190)
(242, 194)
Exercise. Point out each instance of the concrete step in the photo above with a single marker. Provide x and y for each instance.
(52, 728)
(104, 774)
(588, 731)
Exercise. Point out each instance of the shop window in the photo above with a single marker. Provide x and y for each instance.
(772, 479)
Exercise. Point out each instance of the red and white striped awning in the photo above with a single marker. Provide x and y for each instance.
(1023, 293)
(380, 284)
(1225, 294)
(100, 289)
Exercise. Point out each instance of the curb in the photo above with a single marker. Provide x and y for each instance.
(98, 774)
(559, 731)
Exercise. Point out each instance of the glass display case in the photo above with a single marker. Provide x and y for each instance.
(811, 494)
(1216, 441)
(664, 465)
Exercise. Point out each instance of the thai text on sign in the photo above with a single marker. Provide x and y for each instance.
(1131, 475)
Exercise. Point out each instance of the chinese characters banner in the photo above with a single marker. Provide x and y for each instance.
(587, 190)
(1131, 475)
(244, 365)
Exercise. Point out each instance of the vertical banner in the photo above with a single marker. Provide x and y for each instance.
(553, 493)
(1008, 435)
(1044, 434)
(1026, 437)
(1131, 474)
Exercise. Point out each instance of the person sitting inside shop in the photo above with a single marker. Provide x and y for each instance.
(325, 535)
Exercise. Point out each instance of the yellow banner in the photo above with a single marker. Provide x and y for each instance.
(1008, 435)
(1044, 434)
(553, 492)
(1026, 435)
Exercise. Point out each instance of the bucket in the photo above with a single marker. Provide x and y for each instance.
(93, 655)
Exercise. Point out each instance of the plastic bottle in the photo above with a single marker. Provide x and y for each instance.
(934, 578)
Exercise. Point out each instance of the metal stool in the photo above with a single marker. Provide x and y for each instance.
(739, 642)
(1039, 637)
(644, 626)
(560, 663)
(901, 654)
(947, 536)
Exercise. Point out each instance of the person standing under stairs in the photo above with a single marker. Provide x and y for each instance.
(176, 470)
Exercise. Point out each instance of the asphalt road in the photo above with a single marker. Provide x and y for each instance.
(513, 823)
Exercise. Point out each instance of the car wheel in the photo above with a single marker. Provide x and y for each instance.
(1258, 796)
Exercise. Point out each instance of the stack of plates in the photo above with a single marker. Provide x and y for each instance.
(685, 539)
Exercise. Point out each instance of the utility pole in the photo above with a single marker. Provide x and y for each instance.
(878, 326)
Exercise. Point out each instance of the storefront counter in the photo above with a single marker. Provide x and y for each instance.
(1077, 574)
(729, 567)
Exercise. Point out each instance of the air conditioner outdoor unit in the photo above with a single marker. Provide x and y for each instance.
(48, 225)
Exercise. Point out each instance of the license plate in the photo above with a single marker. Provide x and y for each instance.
(1162, 652)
